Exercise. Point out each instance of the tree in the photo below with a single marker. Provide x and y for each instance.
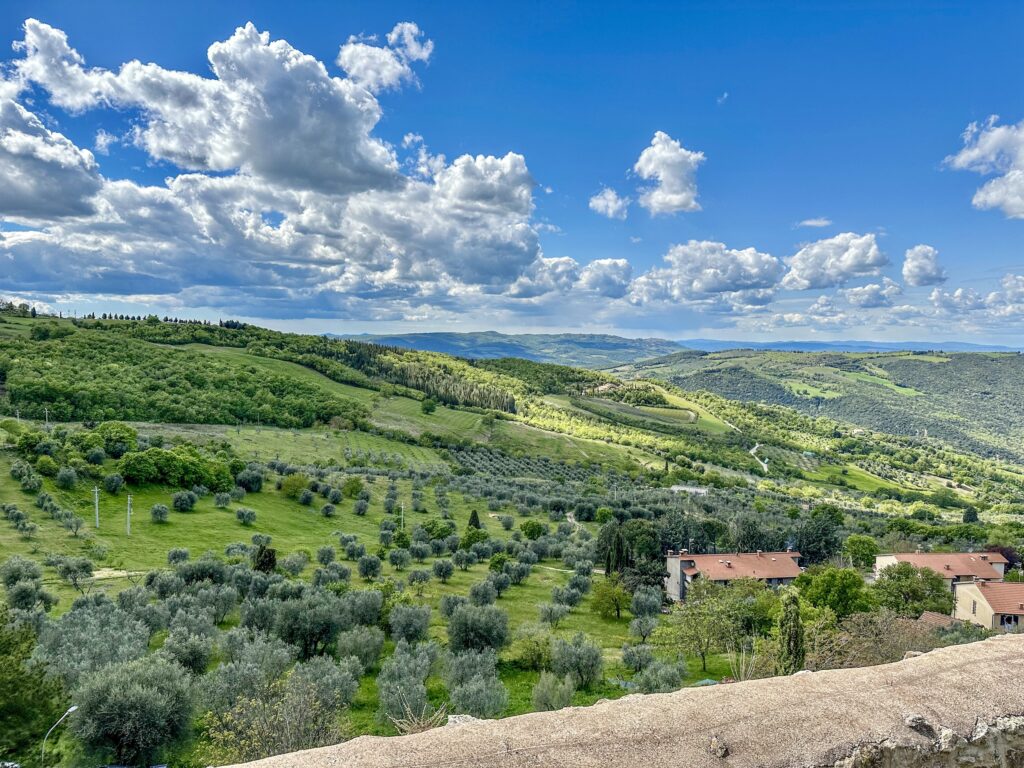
(474, 520)
(74, 570)
(66, 478)
(159, 513)
(293, 485)
(443, 570)
(791, 635)
(477, 628)
(840, 589)
(184, 501)
(818, 537)
(661, 677)
(29, 698)
(699, 625)
(552, 692)
(533, 529)
(400, 684)
(369, 567)
(637, 657)
(113, 483)
(409, 622)
(428, 406)
(579, 658)
(861, 550)
(910, 591)
(418, 580)
(245, 515)
(610, 598)
(646, 601)
(364, 643)
(480, 696)
(553, 613)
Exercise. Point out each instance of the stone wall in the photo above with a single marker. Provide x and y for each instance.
(958, 706)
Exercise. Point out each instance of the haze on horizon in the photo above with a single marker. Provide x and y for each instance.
(739, 171)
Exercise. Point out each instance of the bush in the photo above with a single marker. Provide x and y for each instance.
(245, 516)
(153, 690)
(369, 567)
(362, 506)
(500, 581)
(183, 501)
(418, 580)
(177, 555)
(637, 657)
(96, 456)
(450, 602)
(643, 627)
(401, 682)
(553, 613)
(399, 559)
(364, 643)
(306, 497)
(477, 628)
(46, 466)
(646, 601)
(552, 692)
(482, 593)
(443, 570)
(66, 478)
(328, 510)
(221, 500)
(661, 677)
(580, 658)
(159, 513)
(325, 555)
(294, 563)
(480, 697)
(191, 651)
(409, 622)
(250, 479)
(113, 483)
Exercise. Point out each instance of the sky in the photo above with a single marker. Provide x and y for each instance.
(746, 171)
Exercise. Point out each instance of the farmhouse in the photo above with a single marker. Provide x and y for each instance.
(954, 567)
(993, 605)
(774, 568)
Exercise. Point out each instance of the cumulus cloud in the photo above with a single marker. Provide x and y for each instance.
(607, 277)
(874, 294)
(991, 148)
(44, 175)
(822, 314)
(707, 271)
(608, 203)
(262, 91)
(378, 68)
(673, 168)
(921, 266)
(834, 261)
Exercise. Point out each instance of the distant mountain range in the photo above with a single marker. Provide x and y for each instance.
(588, 350)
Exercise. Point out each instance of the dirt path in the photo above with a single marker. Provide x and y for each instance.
(762, 462)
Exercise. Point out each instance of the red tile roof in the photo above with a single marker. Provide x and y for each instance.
(1004, 596)
(955, 564)
(745, 565)
(935, 619)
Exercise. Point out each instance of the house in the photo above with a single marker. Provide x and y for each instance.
(954, 567)
(693, 490)
(774, 568)
(991, 604)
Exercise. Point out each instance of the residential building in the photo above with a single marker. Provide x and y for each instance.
(991, 604)
(954, 567)
(774, 568)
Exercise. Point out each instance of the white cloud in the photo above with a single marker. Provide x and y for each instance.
(991, 148)
(608, 203)
(607, 277)
(874, 295)
(832, 262)
(820, 221)
(44, 175)
(706, 270)
(823, 313)
(378, 68)
(673, 168)
(103, 141)
(959, 301)
(921, 266)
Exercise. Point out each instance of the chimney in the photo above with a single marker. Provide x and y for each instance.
(947, 567)
(984, 557)
(671, 553)
(759, 553)
(728, 563)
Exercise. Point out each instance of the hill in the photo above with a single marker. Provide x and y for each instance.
(969, 400)
(718, 345)
(573, 349)
(337, 537)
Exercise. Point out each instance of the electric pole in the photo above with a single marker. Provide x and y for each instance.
(128, 519)
(96, 503)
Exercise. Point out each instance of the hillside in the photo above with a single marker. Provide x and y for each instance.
(575, 349)
(972, 401)
(325, 533)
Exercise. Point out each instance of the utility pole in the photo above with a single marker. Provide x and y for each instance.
(128, 519)
(401, 515)
(17, 414)
(46, 413)
(96, 504)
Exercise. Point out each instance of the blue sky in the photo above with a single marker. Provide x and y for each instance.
(442, 178)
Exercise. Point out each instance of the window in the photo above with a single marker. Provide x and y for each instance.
(974, 607)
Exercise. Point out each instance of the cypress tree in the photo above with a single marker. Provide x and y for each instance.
(474, 520)
(791, 635)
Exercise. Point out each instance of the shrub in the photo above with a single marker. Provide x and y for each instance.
(480, 697)
(250, 479)
(401, 682)
(369, 567)
(552, 692)
(361, 507)
(294, 563)
(306, 497)
(177, 555)
(159, 513)
(66, 478)
(661, 677)
(482, 593)
(364, 643)
(443, 570)
(46, 466)
(325, 555)
(96, 456)
(646, 601)
(328, 510)
(419, 579)
(222, 500)
(409, 622)
(637, 657)
(553, 613)
(183, 501)
(155, 691)
(399, 559)
(245, 516)
(579, 658)
(450, 602)
(477, 628)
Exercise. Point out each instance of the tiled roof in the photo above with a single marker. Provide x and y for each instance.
(1004, 596)
(745, 565)
(959, 564)
(935, 619)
